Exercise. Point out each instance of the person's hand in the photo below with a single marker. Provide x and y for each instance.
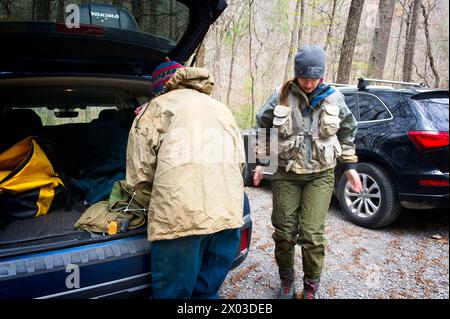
(258, 175)
(138, 110)
(354, 180)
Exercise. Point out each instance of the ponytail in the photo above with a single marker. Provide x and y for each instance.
(284, 92)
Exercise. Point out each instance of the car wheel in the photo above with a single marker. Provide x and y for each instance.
(377, 205)
(247, 175)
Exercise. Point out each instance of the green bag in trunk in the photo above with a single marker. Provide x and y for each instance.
(125, 206)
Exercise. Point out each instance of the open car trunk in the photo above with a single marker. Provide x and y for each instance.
(69, 148)
(55, 229)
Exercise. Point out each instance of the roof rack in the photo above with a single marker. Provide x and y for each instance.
(364, 82)
(339, 84)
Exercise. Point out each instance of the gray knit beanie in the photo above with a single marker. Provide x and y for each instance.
(310, 62)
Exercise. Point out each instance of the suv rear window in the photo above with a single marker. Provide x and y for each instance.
(435, 110)
(163, 18)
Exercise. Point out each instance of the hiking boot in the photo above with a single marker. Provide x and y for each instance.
(287, 289)
(310, 288)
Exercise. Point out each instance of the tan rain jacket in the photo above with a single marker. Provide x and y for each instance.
(187, 147)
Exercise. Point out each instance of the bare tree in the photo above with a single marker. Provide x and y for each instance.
(200, 56)
(43, 10)
(330, 25)
(302, 23)
(410, 44)
(137, 10)
(236, 33)
(247, 71)
(348, 45)
(60, 11)
(399, 37)
(381, 37)
(220, 30)
(426, 14)
(6, 7)
(250, 58)
(293, 43)
(312, 22)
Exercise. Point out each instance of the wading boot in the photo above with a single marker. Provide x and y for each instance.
(287, 289)
(310, 288)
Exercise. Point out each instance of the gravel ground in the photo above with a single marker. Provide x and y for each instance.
(406, 260)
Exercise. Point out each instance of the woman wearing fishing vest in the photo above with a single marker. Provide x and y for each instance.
(315, 128)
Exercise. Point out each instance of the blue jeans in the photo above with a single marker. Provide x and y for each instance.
(193, 266)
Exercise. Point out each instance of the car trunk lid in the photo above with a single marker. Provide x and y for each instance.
(129, 38)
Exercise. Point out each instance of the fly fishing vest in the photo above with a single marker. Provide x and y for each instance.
(307, 142)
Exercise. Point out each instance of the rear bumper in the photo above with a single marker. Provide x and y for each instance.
(420, 201)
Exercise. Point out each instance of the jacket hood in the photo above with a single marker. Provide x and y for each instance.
(198, 79)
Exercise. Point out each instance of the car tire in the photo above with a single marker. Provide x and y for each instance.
(378, 205)
(247, 175)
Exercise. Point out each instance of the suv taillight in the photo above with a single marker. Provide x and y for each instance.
(84, 29)
(244, 240)
(426, 140)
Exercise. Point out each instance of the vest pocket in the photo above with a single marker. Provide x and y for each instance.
(288, 149)
(329, 121)
(288, 142)
(283, 121)
(326, 150)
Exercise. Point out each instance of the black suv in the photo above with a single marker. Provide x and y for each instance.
(54, 83)
(403, 150)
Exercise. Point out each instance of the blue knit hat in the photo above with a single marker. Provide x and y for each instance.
(310, 62)
(162, 73)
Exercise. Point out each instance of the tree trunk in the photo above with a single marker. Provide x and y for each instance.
(217, 93)
(200, 58)
(397, 50)
(250, 59)
(348, 45)
(136, 9)
(60, 10)
(236, 36)
(151, 20)
(293, 44)
(380, 42)
(33, 10)
(171, 20)
(411, 43)
(302, 24)
(7, 7)
(426, 15)
(330, 26)
(313, 22)
(43, 10)
(230, 76)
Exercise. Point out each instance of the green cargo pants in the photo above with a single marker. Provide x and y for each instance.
(300, 207)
